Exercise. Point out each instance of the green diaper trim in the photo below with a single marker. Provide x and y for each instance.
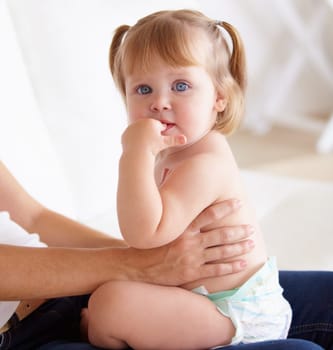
(221, 295)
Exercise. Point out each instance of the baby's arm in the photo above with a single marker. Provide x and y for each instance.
(150, 216)
(139, 204)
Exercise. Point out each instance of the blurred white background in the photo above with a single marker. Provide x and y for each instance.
(61, 117)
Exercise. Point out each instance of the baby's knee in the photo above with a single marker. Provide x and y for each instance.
(106, 301)
(106, 314)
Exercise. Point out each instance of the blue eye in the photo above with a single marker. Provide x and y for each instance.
(181, 86)
(144, 89)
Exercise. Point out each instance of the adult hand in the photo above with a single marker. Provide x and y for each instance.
(195, 256)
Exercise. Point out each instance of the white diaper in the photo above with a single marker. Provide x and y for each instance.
(257, 309)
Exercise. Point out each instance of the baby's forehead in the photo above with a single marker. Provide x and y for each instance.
(186, 45)
(157, 63)
(174, 61)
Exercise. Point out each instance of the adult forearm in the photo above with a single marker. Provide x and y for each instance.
(33, 273)
(29, 273)
(54, 229)
(59, 231)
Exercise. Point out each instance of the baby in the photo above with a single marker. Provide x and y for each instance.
(184, 91)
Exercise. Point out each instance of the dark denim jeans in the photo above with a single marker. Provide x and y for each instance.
(56, 319)
(55, 325)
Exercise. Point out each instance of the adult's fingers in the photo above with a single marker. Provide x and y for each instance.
(226, 252)
(226, 235)
(214, 270)
(214, 213)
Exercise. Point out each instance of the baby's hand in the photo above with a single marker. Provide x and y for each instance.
(150, 134)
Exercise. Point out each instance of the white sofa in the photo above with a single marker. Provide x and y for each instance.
(61, 119)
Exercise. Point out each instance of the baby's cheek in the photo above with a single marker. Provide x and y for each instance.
(134, 118)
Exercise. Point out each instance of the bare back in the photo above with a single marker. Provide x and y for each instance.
(220, 178)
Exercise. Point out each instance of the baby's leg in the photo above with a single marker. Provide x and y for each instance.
(146, 316)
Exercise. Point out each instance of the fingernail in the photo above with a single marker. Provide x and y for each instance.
(237, 203)
(251, 243)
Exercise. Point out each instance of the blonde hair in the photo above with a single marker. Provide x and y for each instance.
(170, 35)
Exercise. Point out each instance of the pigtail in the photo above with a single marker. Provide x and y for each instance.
(114, 48)
(237, 63)
(232, 83)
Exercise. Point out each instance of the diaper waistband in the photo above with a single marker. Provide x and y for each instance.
(265, 280)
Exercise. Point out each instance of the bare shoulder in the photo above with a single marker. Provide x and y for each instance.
(211, 158)
(215, 146)
(214, 142)
(215, 150)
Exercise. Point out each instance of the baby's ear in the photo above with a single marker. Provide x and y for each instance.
(220, 103)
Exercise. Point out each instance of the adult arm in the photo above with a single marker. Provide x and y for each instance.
(65, 270)
(51, 272)
(53, 228)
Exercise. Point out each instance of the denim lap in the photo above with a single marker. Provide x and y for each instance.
(310, 294)
(56, 319)
(65, 345)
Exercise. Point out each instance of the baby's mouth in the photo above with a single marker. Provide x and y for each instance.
(167, 126)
